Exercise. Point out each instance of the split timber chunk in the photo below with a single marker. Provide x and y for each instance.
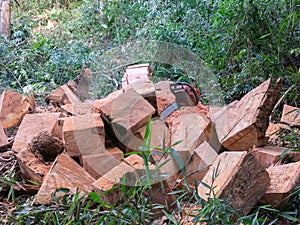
(146, 89)
(138, 77)
(213, 110)
(272, 132)
(3, 138)
(192, 130)
(62, 96)
(32, 168)
(109, 180)
(32, 125)
(80, 85)
(242, 124)
(137, 72)
(64, 173)
(284, 179)
(290, 117)
(83, 135)
(129, 112)
(132, 168)
(99, 164)
(13, 107)
(128, 167)
(105, 105)
(78, 109)
(201, 160)
(270, 155)
(239, 177)
(160, 189)
(160, 135)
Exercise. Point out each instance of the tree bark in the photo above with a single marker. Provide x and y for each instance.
(5, 19)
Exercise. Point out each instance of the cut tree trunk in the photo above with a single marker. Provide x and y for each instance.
(236, 176)
(160, 138)
(133, 169)
(5, 18)
(78, 109)
(164, 96)
(105, 105)
(32, 168)
(109, 180)
(80, 85)
(129, 112)
(242, 124)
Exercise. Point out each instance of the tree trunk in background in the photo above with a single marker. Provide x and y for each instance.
(5, 19)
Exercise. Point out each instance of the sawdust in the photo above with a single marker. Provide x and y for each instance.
(187, 110)
(46, 147)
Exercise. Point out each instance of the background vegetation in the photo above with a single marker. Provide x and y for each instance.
(242, 42)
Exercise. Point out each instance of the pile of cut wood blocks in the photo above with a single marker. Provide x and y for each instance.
(82, 144)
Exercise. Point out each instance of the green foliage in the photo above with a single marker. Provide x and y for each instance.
(244, 41)
(40, 66)
(9, 181)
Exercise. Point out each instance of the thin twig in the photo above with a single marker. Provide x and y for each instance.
(9, 70)
(280, 100)
(288, 124)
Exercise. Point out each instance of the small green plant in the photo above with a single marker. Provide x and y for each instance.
(9, 181)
